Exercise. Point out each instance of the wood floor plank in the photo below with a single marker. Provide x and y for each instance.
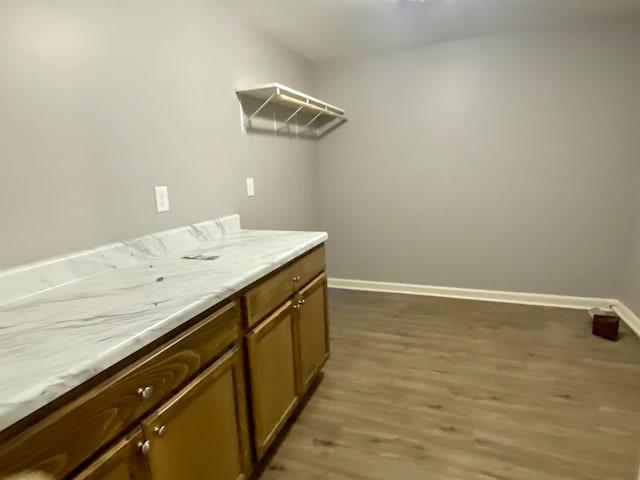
(446, 389)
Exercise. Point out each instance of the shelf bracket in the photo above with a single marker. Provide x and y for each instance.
(313, 120)
(260, 108)
(286, 122)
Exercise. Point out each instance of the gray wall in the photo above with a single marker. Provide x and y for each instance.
(498, 162)
(102, 100)
(631, 294)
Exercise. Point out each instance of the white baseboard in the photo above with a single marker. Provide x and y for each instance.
(563, 301)
(628, 317)
(583, 303)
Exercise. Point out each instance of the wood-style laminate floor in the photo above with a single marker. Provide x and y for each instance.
(433, 388)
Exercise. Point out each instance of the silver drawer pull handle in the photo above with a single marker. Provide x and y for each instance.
(296, 279)
(296, 306)
(160, 430)
(145, 447)
(146, 392)
(301, 301)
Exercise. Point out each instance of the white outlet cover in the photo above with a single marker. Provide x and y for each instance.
(162, 199)
(251, 190)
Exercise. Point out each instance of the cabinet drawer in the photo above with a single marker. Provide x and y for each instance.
(274, 291)
(69, 436)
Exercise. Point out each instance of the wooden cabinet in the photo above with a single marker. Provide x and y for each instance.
(123, 461)
(184, 398)
(287, 349)
(271, 354)
(311, 332)
(110, 409)
(202, 432)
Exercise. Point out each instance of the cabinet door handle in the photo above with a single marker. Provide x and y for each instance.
(296, 278)
(145, 392)
(301, 301)
(160, 430)
(144, 447)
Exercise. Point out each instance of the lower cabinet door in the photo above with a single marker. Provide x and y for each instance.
(123, 461)
(273, 386)
(312, 331)
(202, 432)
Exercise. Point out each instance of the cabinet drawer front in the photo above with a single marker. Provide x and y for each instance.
(274, 291)
(69, 436)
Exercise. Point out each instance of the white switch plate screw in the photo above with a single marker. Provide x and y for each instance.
(251, 191)
(162, 199)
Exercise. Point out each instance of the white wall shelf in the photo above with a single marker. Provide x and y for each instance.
(305, 116)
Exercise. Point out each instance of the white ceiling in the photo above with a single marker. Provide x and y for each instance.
(324, 30)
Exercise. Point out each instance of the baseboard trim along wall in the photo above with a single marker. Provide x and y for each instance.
(628, 317)
(563, 301)
(473, 294)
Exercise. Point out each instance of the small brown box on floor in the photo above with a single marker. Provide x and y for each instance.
(605, 324)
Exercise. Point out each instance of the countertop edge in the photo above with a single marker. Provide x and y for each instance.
(34, 399)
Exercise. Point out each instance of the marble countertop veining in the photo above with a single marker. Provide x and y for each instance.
(55, 338)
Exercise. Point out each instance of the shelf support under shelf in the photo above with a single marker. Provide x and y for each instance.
(286, 122)
(313, 120)
(260, 108)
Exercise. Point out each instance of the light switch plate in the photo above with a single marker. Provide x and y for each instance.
(162, 199)
(251, 191)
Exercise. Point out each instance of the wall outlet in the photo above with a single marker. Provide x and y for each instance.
(251, 190)
(162, 199)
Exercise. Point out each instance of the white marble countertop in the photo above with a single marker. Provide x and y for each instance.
(54, 337)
